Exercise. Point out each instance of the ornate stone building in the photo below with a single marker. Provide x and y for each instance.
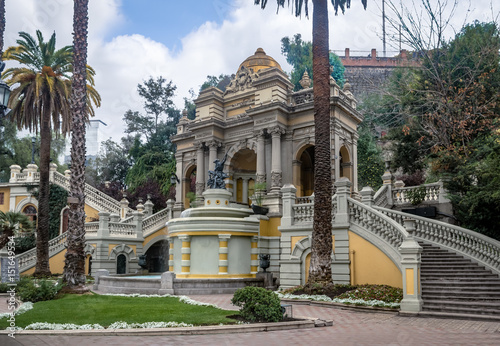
(267, 131)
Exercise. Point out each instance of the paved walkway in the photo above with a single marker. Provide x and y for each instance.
(349, 328)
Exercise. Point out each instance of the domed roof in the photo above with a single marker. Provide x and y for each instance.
(259, 61)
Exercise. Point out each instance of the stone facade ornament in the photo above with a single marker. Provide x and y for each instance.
(305, 82)
(276, 179)
(242, 80)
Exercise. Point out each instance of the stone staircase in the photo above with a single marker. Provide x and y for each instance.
(452, 284)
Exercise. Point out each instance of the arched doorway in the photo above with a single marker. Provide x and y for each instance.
(189, 186)
(157, 257)
(345, 163)
(30, 211)
(121, 264)
(303, 171)
(243, 167)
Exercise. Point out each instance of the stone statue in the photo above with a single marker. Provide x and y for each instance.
(217, 176)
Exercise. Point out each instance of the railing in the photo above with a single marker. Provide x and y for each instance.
(303, 213)
(21, 177)
(126, 230)
(372, 221)
(381, 198)
(91, 228)
(304, 200)
(93, 196)
(27, 259)
(401, 195)
(303, 96)
(154, 222)
(467, 242)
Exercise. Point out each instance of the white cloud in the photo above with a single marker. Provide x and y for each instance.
(124, 61)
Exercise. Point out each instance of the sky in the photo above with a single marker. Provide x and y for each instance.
(184, 41)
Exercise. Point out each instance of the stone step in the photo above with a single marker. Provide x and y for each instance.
(429, 296)
(476, 308)
(459, 275)
(443, 261)
(463, 290)
(458, 270)
(461, 283)
(470, 266)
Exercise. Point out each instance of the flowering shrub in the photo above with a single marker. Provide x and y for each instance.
(22, 309)
(323, 298)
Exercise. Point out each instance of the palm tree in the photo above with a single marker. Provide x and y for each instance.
(2, 24)
(40, 101)
(74, 265)
(321, 245)
(9, 222)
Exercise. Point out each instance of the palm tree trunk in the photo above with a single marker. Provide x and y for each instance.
(2, 25)
(74, 269)
(321, 248)
(42, 234)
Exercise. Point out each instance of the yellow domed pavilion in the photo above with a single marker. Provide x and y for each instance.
(259, 61)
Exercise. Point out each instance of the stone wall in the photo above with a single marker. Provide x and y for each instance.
(367, 79)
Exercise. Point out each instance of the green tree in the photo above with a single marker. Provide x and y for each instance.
(321, 249)
(370, 161)
(40, 101)
(157, 95)
(298, 53)
(220, 82)
(11, 221)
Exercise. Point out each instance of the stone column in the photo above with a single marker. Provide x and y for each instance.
(31, 169)
(288, 196)
(123, 207)
(367, 196)
(355, 162)
(341, 272)
(200, 169)
(223, 250)
(14, 171)
(170, 254)
(411, 252)
(186, 254)
(138, 216)
(336, 148)
(261, 158)
(276, 174)
(296, 168)
(254, 257)
(52, 170)
(178, 187)
(212, 154)
(170, 207)
(244, 191)
(103, 231)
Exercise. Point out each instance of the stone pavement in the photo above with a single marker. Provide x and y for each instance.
(350, 327)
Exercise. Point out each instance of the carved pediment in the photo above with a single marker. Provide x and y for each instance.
(243, 80)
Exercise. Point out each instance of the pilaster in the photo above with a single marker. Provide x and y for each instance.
(186, 254)
(223, 251)
(411, 252)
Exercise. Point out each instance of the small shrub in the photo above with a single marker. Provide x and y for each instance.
(258, 304)
(30, 290)
(417, 196)
(4, 287)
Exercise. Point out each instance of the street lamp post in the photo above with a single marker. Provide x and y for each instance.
(33, 141)
(4, 94)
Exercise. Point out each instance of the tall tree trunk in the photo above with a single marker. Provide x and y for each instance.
(42, 234)
(321, 248)
(2, 25)
(74, 268)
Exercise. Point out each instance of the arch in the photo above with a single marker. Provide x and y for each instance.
(31, 211)
(153, 241)
(157, 255)
(345, 163)
(122, 249)
(188, 183)
(243, 169)
(300, 252)
(63, 226)
(26, 201)
(303, 170)
(121, 264)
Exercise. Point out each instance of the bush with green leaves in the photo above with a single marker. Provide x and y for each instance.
(33, 290)
(258, 304)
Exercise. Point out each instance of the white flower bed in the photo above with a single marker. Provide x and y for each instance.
(323, 298)
(22, 309)
(183, 299)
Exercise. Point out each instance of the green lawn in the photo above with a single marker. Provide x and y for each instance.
(104, 310)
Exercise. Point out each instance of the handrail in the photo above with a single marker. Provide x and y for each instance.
(27, 259)
(94, 197)
(473, 245)
(303, 213)
(154, 222)
(379, 224)
(381, 198)
(400, 194)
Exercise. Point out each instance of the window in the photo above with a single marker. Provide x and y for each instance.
(1, 198)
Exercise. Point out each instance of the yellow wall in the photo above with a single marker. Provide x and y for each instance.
(56, 264)
(90, 213)
(369, 265)
(269, 228)
(6, 198)
(162, 231)
(20, 198)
